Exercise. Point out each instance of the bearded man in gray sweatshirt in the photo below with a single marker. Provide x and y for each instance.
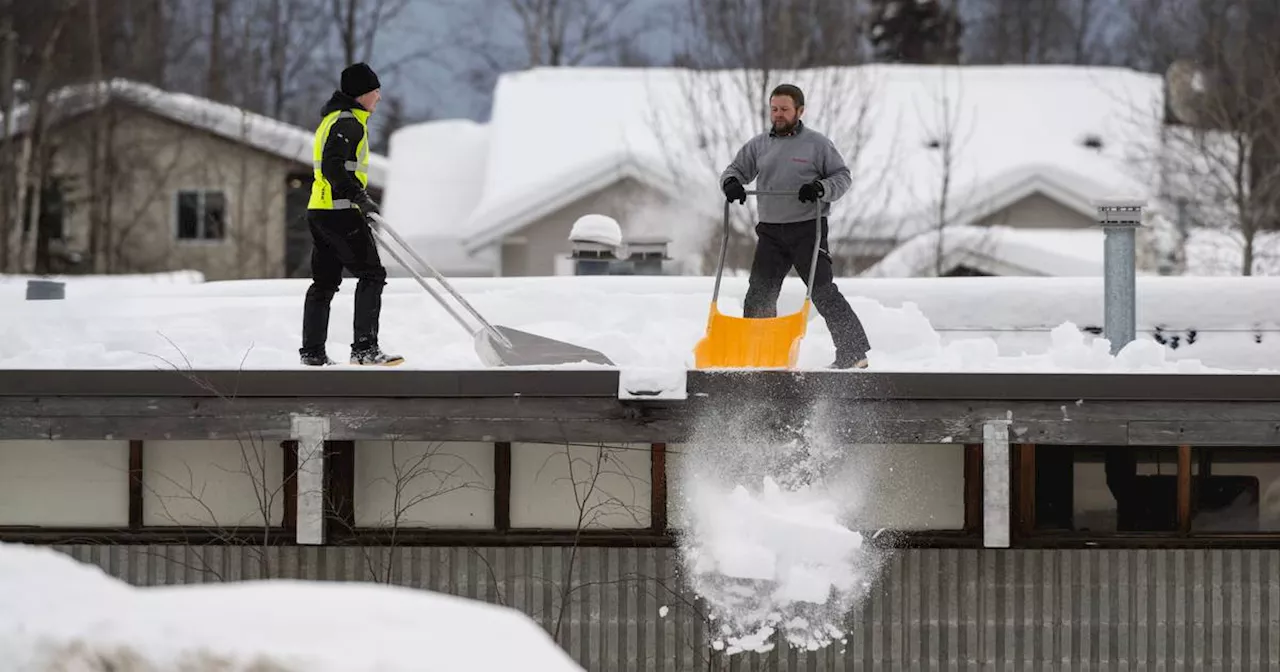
(794, 158)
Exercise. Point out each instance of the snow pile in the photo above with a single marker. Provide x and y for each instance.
(59, 614)
(1069, 351)
(762, 540)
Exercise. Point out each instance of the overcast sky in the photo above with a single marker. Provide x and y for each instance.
(429, 84)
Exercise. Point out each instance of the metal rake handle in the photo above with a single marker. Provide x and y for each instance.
(817, 240)
(377, 233)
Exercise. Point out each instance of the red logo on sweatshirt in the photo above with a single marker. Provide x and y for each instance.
(798, 159)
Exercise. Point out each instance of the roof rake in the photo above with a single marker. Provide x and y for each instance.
(495, 345)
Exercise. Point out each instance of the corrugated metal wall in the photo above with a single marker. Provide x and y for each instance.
(932, 609)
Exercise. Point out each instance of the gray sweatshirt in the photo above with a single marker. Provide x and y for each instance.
(785, 163)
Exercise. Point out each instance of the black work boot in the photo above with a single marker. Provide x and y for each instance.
(845, 360)
(316, 359)
(374, 356)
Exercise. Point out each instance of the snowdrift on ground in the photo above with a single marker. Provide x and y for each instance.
(60, 614)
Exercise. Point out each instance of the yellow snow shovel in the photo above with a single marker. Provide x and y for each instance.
(756, 342)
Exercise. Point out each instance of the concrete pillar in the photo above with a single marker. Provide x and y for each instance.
(996, 486)
(310, 432)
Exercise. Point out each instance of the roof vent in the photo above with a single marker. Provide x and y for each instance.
(1092, 141)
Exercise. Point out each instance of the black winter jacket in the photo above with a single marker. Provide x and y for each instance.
(340, 147)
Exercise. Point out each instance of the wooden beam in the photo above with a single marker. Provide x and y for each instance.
(1184, 489)
(1026, 489)
(339, 488)
(257, 536)
(658, 486)
(973, 487)
(502, 485)
(591, 420)
(1058, 388)
(289, 489)
(135, 484)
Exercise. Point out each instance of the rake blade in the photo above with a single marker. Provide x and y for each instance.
(528, 349)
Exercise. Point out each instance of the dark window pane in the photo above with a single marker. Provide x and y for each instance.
(188, 215)
(215, 213)
(1106, 489)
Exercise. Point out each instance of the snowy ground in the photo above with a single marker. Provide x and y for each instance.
(59, 614)
(951, 324)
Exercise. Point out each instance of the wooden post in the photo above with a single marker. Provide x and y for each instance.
(995, 484)
(1184, 489)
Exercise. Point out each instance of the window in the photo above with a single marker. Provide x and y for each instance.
(202, 215)
(1105, 490)
(1179, 491)
(1235, 490)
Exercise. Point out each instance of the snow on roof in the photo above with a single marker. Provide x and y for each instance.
(233, 123)
(556, 134)
(997, 250)
(1003, 250)
(651, 323)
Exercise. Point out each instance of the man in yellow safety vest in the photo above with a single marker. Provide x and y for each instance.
(339, 215)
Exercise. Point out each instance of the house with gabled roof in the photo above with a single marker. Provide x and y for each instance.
(178, 182)
(1025, 147)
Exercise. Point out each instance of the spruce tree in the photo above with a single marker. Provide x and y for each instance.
(914, 31)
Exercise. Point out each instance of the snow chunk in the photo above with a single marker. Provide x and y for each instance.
(57, 613)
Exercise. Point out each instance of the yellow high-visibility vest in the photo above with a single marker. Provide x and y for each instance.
(321, 190)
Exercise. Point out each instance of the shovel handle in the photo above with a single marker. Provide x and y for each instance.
(817, 241)
(384, 225)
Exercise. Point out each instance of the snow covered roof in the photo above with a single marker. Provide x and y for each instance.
(556, 134)
(233, 123)
(650, 324)
(997, 250)
(1003, 250)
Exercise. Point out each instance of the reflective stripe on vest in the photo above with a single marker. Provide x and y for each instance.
(321, 191)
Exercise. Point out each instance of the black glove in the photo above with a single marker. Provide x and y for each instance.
(811, 192)
(734, 191)
(368, 208)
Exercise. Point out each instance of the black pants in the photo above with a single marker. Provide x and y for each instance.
(341, 239)
(782, 247)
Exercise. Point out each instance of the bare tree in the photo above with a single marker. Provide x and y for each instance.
(737, 54)
(520, 34)
(417, 477)
(358, 23)
(946, 141)
(1038, 31)
(1219, 152)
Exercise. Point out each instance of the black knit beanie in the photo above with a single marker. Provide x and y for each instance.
(359, 79)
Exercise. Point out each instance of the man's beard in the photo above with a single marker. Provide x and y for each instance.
(784, 126)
